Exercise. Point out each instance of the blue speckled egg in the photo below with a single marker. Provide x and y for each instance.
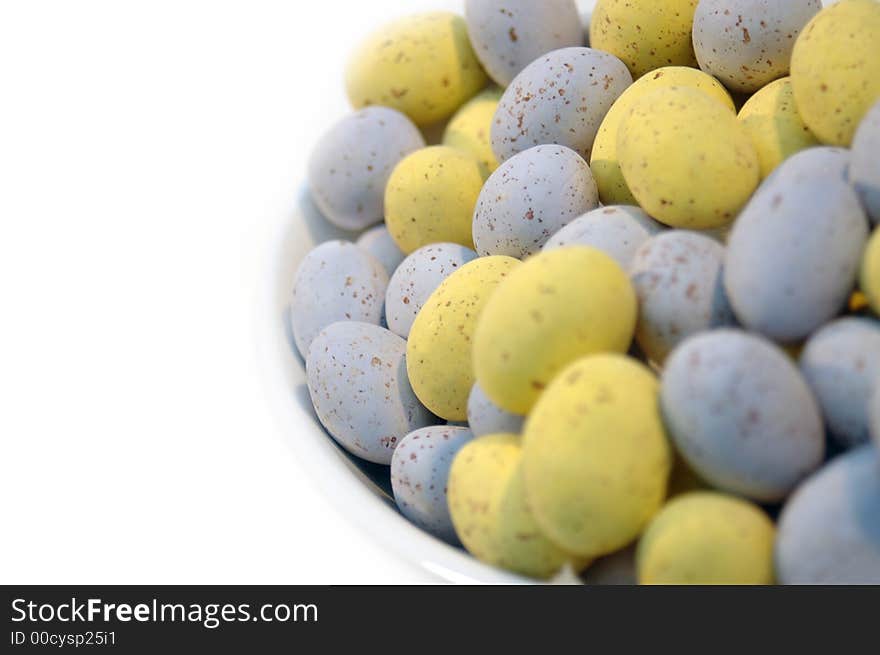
(794, 252)
(419, 472)
(841, 363)
(561, 98)
(508, 35)
(358, 384)
(529, 198)
(336, 281)
(829, 531)
(741, 415)
(677, 278)
(351, 164)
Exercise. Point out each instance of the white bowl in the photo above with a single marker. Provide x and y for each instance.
(359, 489)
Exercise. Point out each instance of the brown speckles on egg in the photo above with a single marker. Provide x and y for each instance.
(336, 281)
(403, 65)
(510, 34)
(741, 415)
(521, 124)
(430, 197)
(351, 163)
(419, 481)
(686, 158)
(490, 512)
(835, 69)
(529, 198)
(417, 278)
(774, 125)
(439, 349)
(810, 249)
(749, 43)
(677, 276)
(645, 34)
(348, 364)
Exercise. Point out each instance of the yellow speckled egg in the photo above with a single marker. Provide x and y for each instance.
(645, 34)
(423, 66)
(870, 273)
(595, 455)
(438, 352)
(707, 538)
(603, 161)
(471, 127)
(557, 307)
(430, 198)
(776, 128)
(835, 69)
(489, 511)
(686, 158)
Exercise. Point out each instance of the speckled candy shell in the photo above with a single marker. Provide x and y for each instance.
(351, 164)
(485, 417)
(793, 254)
(776, 128)
(604, 161)
(529, 198)
(559, 98)
(617, 231)
(508, 35)
(677, 278)
(741, 415)
(829, 532)
(416, 279)
(645, 34)
(555, 308)
(841, 363)
(865, 168)
(748, 43)
(686, 158)
(359, 388)
(491, 512)
(835, 69)
(419, 472)
(336, 281)
(422, 65)
(379, 244)
(440, 348)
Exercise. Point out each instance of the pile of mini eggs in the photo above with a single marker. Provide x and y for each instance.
(622, 320)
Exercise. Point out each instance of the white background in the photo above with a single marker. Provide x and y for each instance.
(147, 151)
